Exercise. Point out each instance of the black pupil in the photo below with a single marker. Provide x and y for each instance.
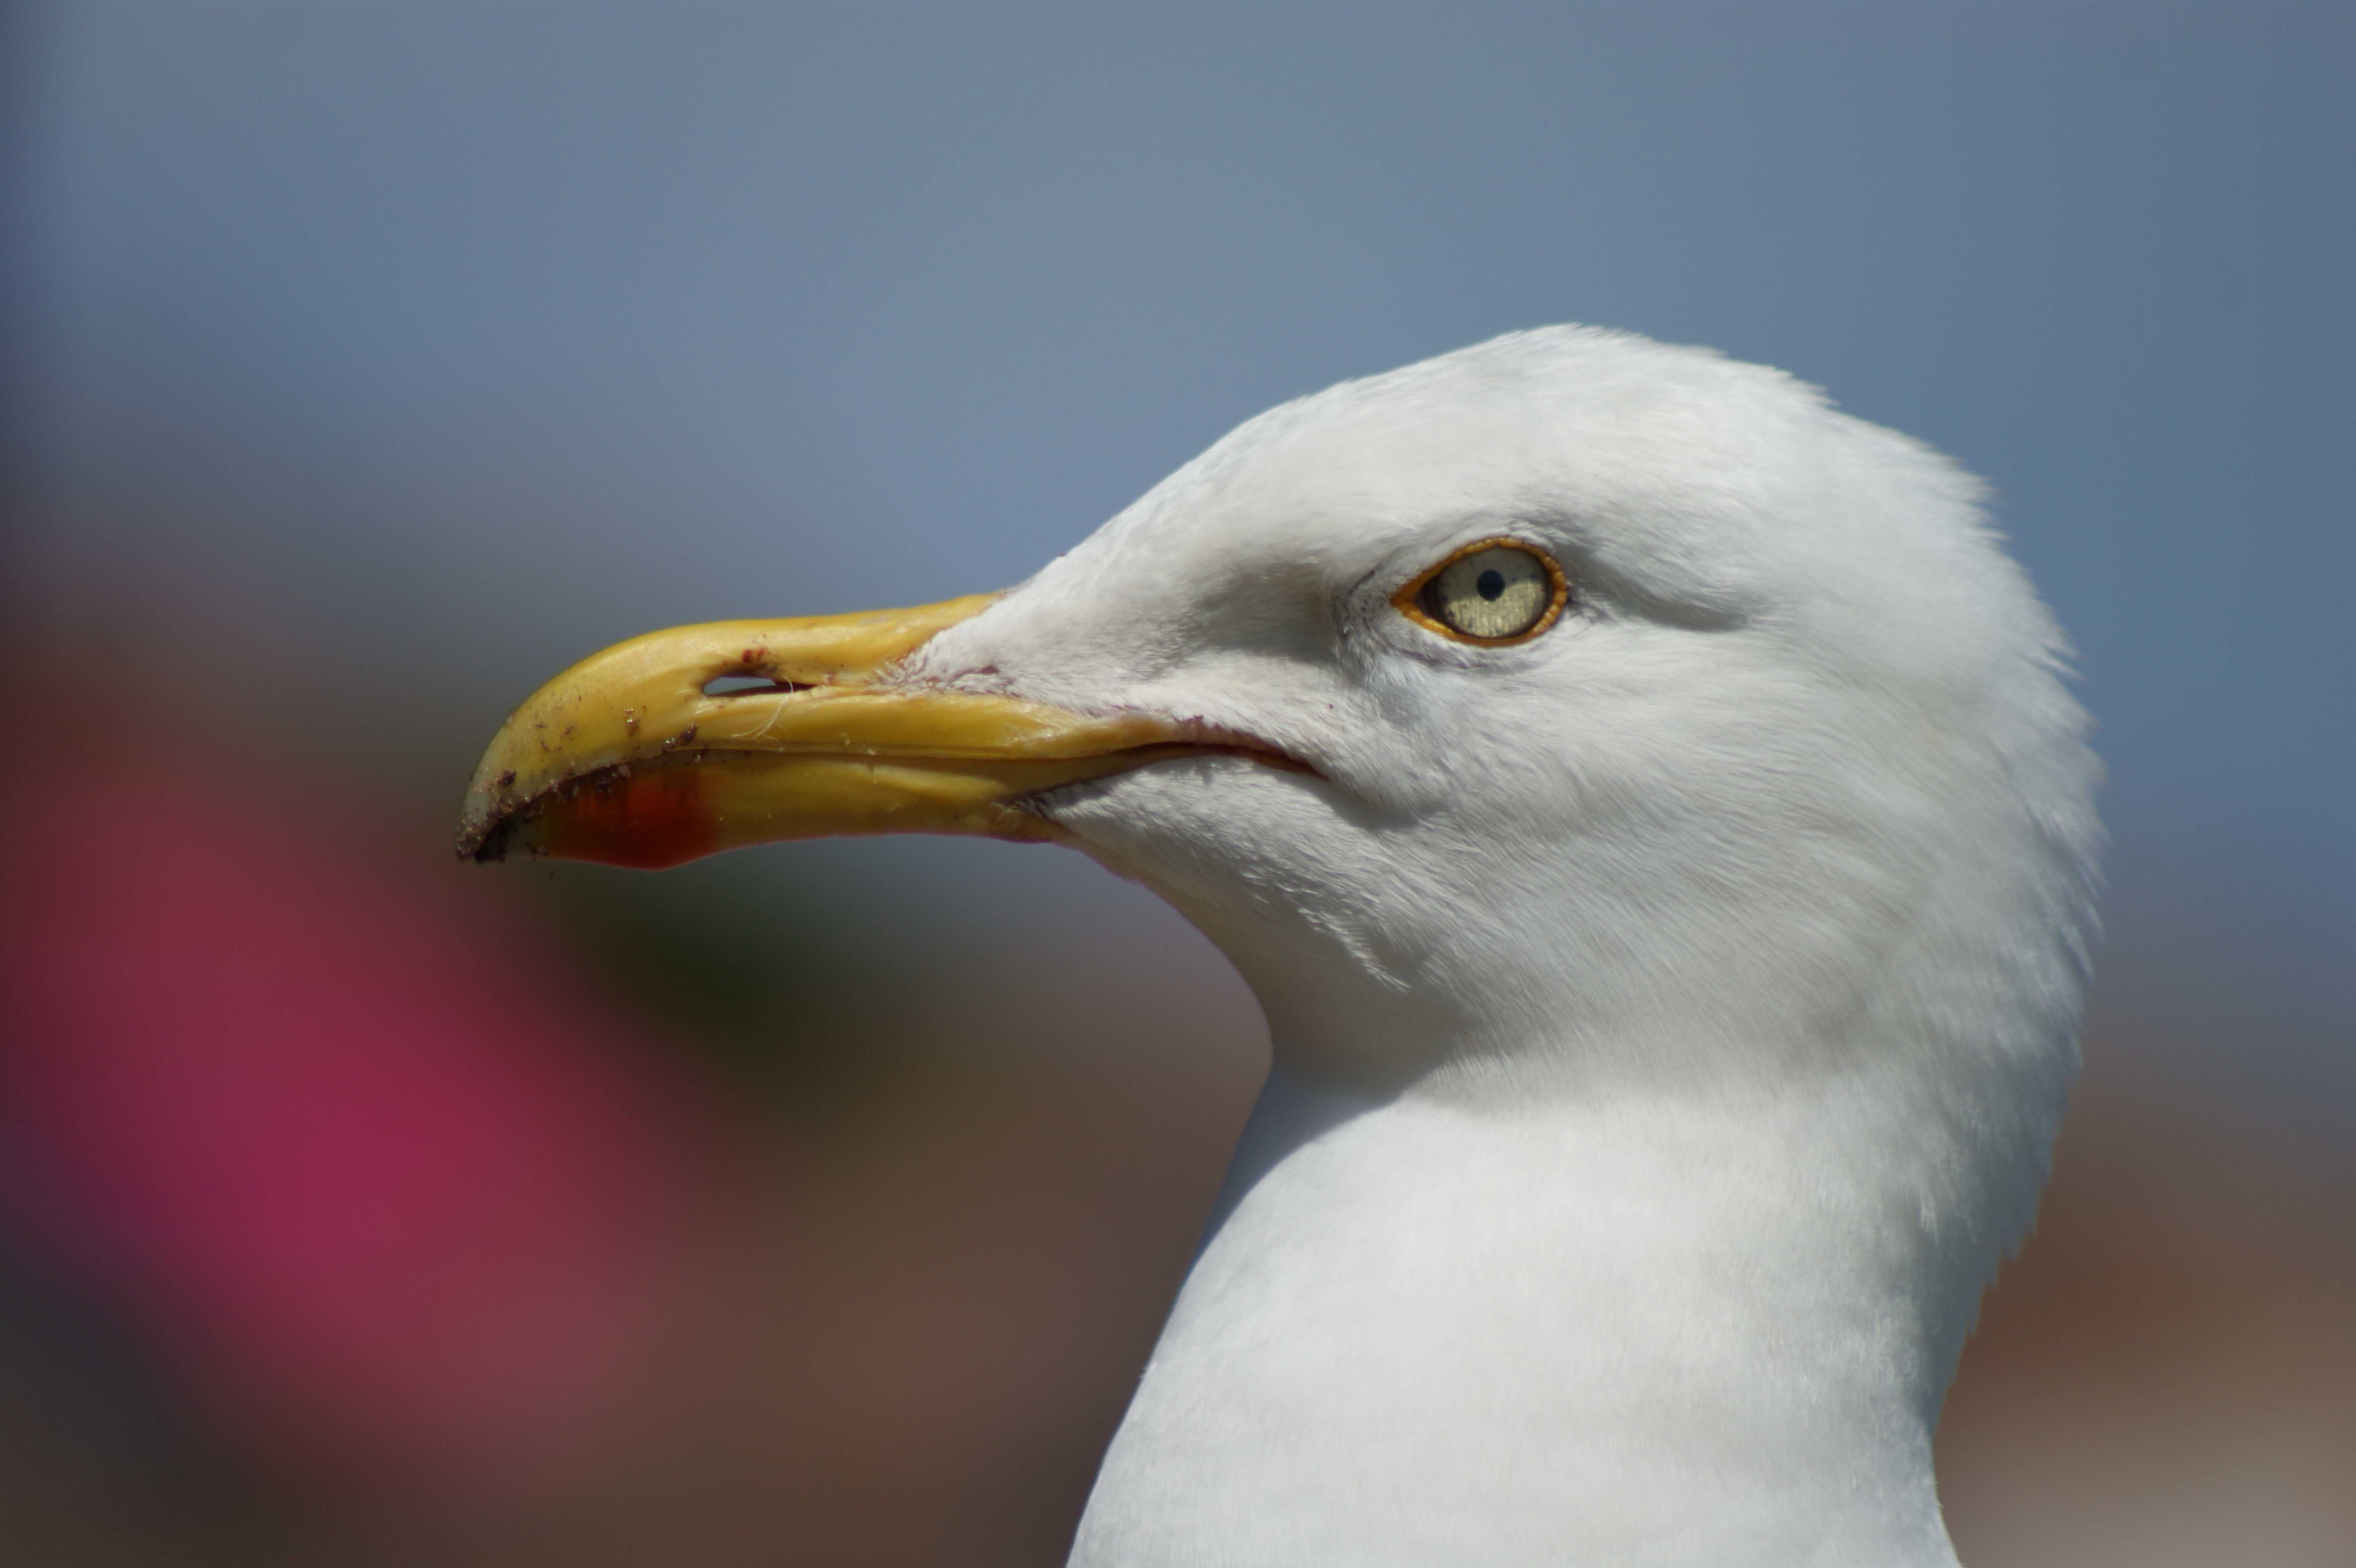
(1491, 583)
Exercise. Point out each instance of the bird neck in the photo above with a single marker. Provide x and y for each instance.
(1659, 1331)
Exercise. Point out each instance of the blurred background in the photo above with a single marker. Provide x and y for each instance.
(366, 363)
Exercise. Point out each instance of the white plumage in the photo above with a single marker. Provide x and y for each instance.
(1672, 1013)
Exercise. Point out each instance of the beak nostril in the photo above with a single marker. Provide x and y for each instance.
(743, 686)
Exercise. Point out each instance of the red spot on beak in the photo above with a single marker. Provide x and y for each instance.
(650, 819)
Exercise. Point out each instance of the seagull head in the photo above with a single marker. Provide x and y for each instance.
(1572, 732)
(1756, 722)
(1568, 707)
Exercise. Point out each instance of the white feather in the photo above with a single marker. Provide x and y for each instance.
(1672, 1015)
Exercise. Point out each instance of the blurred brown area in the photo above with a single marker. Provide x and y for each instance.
(2166, 1374)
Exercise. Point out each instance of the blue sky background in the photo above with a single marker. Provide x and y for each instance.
(424, 347)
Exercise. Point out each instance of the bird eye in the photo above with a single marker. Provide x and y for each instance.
(1492, 592)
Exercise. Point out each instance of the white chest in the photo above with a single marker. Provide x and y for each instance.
(1432, 1335)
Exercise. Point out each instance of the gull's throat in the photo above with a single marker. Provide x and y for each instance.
(1423, 1332)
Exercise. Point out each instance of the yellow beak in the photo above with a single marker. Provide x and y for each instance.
(625, 759)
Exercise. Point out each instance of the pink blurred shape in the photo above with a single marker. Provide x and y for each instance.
(378, 1174)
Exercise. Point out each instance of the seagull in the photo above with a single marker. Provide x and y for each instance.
(1649, 809)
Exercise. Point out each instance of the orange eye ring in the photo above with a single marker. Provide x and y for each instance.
(1411, 601)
